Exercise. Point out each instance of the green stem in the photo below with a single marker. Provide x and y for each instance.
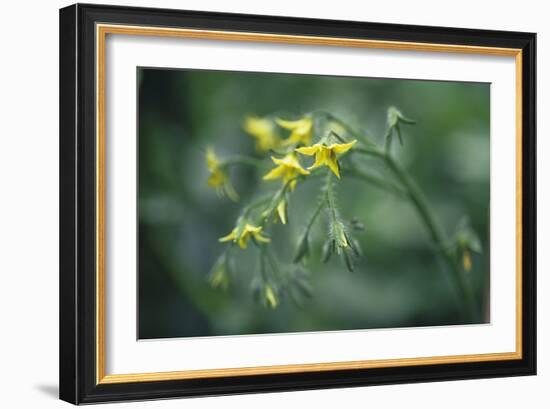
(253, 205)
(388, 140)
(303, 245)
(356, 134)
(435, 231)
(274, 201)
(370, 150)
(376, 181)
(417, 197)
(263, 272)
(273, 264)
(330, 198)
(314, 216)
(243, 160)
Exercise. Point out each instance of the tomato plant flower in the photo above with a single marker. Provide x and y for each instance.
(288, 168)
(301, 130)
(326, 155)
(218, 179)
(242, 235)
(263, 131)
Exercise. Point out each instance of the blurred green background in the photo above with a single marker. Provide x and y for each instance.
(397, 283)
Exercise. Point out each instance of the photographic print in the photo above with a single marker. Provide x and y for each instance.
(280, 203)
(263, 203)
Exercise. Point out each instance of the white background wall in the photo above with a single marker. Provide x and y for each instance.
(29, 202)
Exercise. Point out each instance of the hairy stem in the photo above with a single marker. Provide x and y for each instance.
(331, 203)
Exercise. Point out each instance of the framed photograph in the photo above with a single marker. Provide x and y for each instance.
(254, 203)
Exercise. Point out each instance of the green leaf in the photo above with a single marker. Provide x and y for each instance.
(349, 261)
(303, 249)
(398, 131)
(328, 249)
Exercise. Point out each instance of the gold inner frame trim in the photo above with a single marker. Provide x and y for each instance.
(101, 33)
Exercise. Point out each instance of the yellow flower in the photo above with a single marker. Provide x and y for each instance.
(340, 235)
(242, 237)
(263, 131)
(467, 260)
(288, 168)
(326, 155)
(219, 278)
(301, 130)
(281, 211)
(270, 296)
(218, 179)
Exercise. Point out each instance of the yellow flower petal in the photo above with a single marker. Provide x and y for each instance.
(343, 239)
(326, 155)
(309, 150)
(290, 161)
(271, 297)
(231, 236)
(320, 158)
(256, 125)
(302, 171)
(281, 211)
(286, 161)
(243, 241)
(342, 147)
(261, 238)
(290, 125)
(247, 232)
(212, 161)
(302, 130)
(216, 179)
(263, 131)
(248, 228)
(333, 165)
(467, 260)
(288, 168)
(274, 173)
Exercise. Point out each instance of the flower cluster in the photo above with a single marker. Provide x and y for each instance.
(285, 142)
(284, 145)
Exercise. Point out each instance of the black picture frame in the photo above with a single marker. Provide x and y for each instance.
(78, 360)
